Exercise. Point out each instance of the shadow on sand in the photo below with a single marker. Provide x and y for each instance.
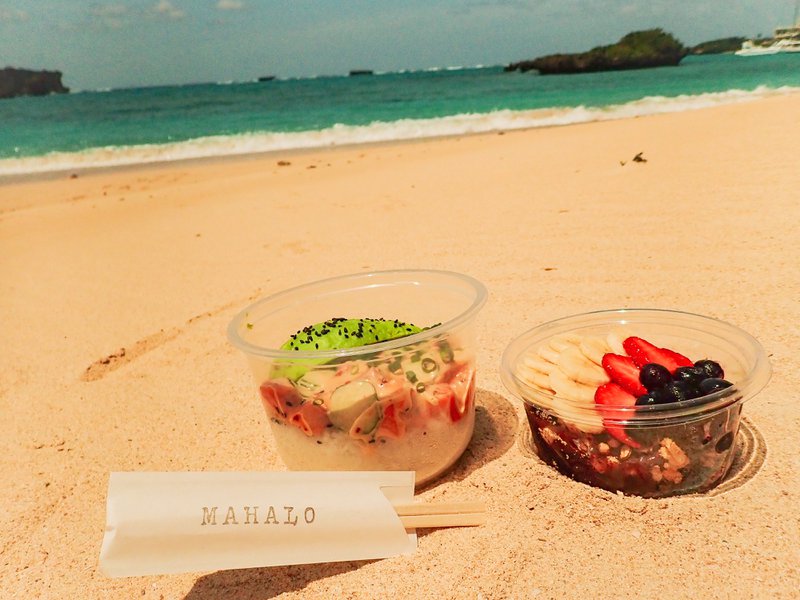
(749, 456)
(496, 426)
(265, 582)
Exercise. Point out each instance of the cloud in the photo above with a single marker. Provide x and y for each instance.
(512, 4)
(110, 15)
(12, 14)
(167, 9)
(230, 4)
(109, 10)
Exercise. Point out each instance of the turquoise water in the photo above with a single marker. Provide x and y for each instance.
(162, 123)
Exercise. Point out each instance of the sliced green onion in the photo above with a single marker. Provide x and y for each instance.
(446, 352)
(428, 365)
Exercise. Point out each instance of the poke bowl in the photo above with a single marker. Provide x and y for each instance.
(371, 371)
(640, 401)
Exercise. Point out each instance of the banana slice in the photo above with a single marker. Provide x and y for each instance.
(566, 388)
(535, 378)
(547, 353)
(561, 342)
(576, 380)
(594, 348)
(615, 338)
(586, 418)
(537, 363)
(580, 369)
(539, 381)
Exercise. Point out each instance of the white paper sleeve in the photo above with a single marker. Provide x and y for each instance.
(159, 523)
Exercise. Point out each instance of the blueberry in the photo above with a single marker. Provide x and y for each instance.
(689, 375)
(654, 376)
(646, 400)
(676, 391)
(713, 384)
(653, 397)
(688, 389)
(710, 369)
(692, 391)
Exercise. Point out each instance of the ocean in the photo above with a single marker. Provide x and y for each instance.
(139, 125)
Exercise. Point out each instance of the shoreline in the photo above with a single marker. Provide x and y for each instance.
(546, 113)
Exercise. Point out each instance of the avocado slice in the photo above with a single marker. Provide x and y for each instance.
(339, 332)
(349, 401)
(335, 334)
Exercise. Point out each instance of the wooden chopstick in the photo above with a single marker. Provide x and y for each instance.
(459, 520)
(457, 514)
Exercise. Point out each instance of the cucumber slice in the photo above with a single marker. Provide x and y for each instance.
(368, 421)
(310, 385)
(350, 401)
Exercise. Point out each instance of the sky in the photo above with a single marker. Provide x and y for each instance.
(100, 44)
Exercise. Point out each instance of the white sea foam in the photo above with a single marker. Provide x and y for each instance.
(403, 129)
(104, 90)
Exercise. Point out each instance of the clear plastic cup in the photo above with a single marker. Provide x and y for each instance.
(673, 448)
(403, 404)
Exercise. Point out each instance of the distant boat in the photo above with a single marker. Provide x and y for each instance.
(360, 72)
(786, 39)
(266, 78)
(751, 48)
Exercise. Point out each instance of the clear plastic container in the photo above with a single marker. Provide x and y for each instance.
(674, 448)
(403, 404)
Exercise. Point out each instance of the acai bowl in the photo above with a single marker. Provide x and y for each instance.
(639, 401)
(372, 371)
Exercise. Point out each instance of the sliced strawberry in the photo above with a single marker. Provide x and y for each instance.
(609, 397)
(624, 372)
(678, 358)
(644, 352)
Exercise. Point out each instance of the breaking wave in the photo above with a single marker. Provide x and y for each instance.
(403, 129)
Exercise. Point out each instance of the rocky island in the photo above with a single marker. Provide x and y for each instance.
(24, 82)
(637, 50)
(721, 46)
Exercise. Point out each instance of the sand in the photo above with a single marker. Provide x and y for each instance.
(117, 287)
